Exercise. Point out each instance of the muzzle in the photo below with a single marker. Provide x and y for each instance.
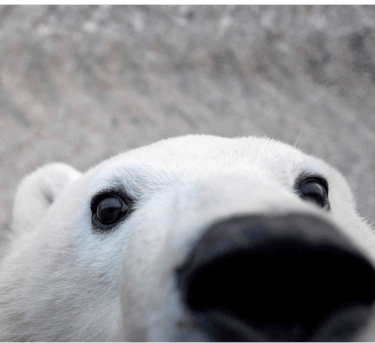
(289, 277)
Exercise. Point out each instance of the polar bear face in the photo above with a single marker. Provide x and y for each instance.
(191, 238)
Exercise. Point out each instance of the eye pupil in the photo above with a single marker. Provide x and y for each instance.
(314, 191)
(110, 209)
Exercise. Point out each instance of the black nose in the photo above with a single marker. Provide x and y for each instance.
(277, 278)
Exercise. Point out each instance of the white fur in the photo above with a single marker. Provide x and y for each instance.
(62, 281)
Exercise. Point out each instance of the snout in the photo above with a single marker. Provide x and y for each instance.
(293, 277)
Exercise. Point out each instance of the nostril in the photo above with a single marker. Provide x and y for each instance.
(286, 283)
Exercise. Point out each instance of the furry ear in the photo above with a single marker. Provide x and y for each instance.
(37, 192)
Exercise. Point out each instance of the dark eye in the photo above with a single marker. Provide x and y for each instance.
(108, 210)
(315, 190)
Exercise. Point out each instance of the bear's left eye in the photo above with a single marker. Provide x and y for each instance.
(315, 190)
(108, 210)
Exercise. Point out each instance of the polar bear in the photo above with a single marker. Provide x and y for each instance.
(195, 238)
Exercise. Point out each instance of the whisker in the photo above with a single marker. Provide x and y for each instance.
(297, 139)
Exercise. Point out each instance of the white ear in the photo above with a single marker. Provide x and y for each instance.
(37, 192)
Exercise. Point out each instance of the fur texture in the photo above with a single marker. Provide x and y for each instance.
(64, 281)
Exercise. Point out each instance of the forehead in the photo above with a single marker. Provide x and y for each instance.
(199, 156)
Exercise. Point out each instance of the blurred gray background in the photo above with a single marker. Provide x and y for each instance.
(79, 84)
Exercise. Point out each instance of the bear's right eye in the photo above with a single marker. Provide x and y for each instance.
(108, 209)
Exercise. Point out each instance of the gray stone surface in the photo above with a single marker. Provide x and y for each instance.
(79, 84)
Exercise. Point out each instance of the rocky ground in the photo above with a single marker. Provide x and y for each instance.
(79, 84)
